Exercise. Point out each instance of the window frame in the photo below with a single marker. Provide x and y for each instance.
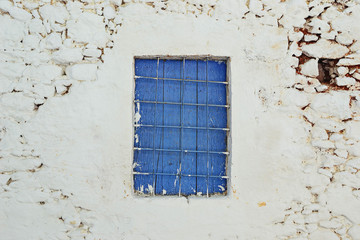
(227, 59)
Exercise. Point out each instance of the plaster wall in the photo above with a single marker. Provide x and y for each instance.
(66, 119)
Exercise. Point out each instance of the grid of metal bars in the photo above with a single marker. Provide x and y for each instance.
(151, 190)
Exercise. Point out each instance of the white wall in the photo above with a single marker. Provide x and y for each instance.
(66, 93)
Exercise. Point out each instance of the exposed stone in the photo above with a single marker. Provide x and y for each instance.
(341, 231)
(88, 28)
(310, 68)
(345, 81)
(341, 153)
(297, 12)
(330, 14)
(12, 70)
(43, 91)
(109, 12)
(323, 144)
(319, 26)
(92, 52)
(356, 75)
(53, 41)
(355, 47)
(334, 104)
(344, 23)
(353, 130)
(355, 163)
(329, 35)
(310, 38)
(336, 137)
(55, 13)
(18, 106)
(31, 42)
(36, 26)
(330, 125)
(44, 73)
(5, 6)
(293, 97)
(352, 59)
(61, 89)
(321, 88)
(11, 32)
(68, 55)
(344, 38)
(352, 70)
(335, 160)
(325, 49)
(295, 36)
(20, 14)
(295, 51)
(325, 172)
(31, 6)
(82, 72)
(309, 89)
(317, 9)
(342, 71)
(320, 133)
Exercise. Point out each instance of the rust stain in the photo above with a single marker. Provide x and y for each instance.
(304, 31)
(262, 204)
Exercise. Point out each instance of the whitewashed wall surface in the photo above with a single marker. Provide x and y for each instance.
(66, 117)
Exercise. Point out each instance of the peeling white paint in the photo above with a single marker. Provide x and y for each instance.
(136, 138)
(137, 115)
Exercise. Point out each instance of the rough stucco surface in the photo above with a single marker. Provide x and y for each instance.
(66, 89)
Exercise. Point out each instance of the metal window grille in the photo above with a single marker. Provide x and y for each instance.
(181, 126)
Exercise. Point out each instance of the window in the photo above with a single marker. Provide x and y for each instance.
(181, 126)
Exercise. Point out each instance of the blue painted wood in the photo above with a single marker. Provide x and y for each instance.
(174, 172)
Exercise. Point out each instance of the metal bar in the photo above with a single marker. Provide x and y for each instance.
(184, 175)
(181, 119)
(178, 150)
(185, 80)
(207, 131)
(196, 134)
(157, 75)
(188, 104)
(185, 127)
(162, 132)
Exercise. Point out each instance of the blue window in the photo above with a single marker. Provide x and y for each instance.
(181, 126)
